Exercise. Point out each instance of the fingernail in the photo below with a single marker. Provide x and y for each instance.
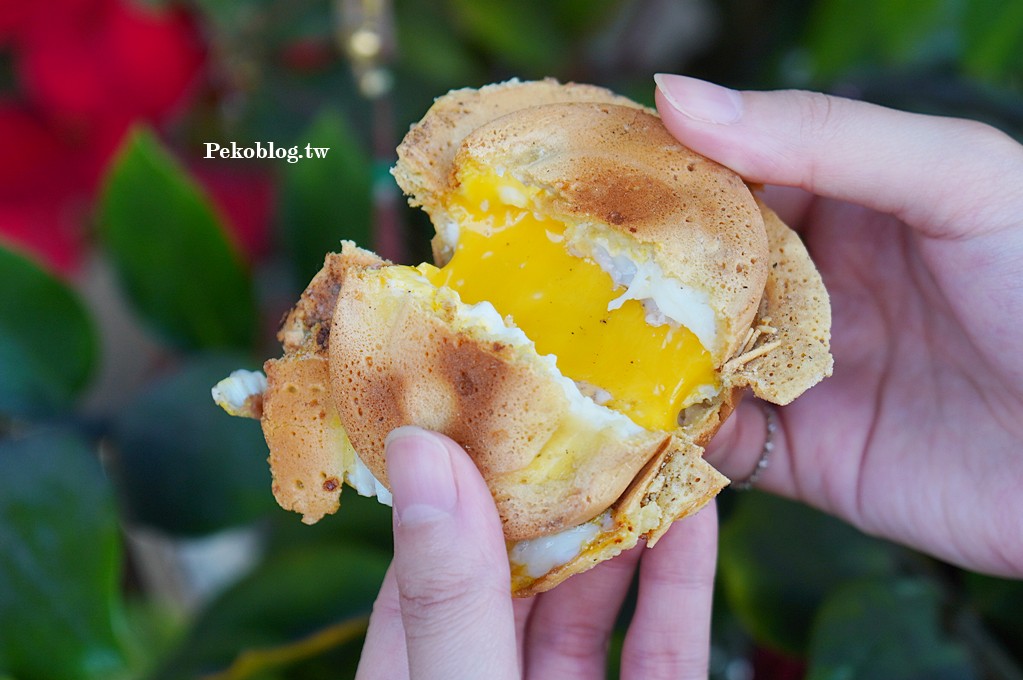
(700, 100)
(419, 469)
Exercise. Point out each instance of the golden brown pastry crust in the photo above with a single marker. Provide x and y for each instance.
(307, 443)
(309, 450)
(426, 154)
(410, 361)
(675, 484)
(306, 327)
(797, 309)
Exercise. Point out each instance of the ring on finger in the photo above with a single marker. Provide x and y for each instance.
(770, 426)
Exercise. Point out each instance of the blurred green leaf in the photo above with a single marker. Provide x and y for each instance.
(328, 199)
(613, 667)
(157, 627)
(293, 596)
(60, 611)
(998, 602)
(846, 35)
(171, 251)
(887, 629)
(182, 464)
(360, 520)
(48, 346)
(779, 560)
(993, 34)
(429, 50)
(515, 33)
(253, 26)
(280, 109)
(256, 661)
(579, 17)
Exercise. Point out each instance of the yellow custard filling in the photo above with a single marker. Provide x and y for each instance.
(515, 259)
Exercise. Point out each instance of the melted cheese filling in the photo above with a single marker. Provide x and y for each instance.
(569, 306)
(538, 556)
(233, 392)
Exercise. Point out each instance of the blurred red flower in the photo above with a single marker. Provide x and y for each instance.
(245, 198)
(86, 70)
(42, 188)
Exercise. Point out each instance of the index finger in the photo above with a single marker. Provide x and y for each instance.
(929, 171)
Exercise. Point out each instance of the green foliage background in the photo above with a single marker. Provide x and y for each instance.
(794, 585)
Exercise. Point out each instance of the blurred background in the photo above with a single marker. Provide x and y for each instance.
(138, 535)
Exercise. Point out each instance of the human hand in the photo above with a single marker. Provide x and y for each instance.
(916, 224)
(445, 609)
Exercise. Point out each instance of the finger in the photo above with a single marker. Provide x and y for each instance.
(737, 447)
(450, 562)
(522, 608)
(888, 160)
(670, 632)
(570, 627)
(383, 652)
(791, 204)
(800, 464)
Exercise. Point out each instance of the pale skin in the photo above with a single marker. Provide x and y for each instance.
(916, 224)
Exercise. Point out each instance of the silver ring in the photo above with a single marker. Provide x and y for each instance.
(771, 426)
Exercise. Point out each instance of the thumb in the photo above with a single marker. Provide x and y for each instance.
(929, 171)
(450, 562)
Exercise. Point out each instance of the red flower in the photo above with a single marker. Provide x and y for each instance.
(308, 55)
(774, 665)
(42, 201)
(87, 70)
(116, 63)
(245, 198)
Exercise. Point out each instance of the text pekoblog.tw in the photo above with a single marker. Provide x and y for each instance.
(293, 154)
